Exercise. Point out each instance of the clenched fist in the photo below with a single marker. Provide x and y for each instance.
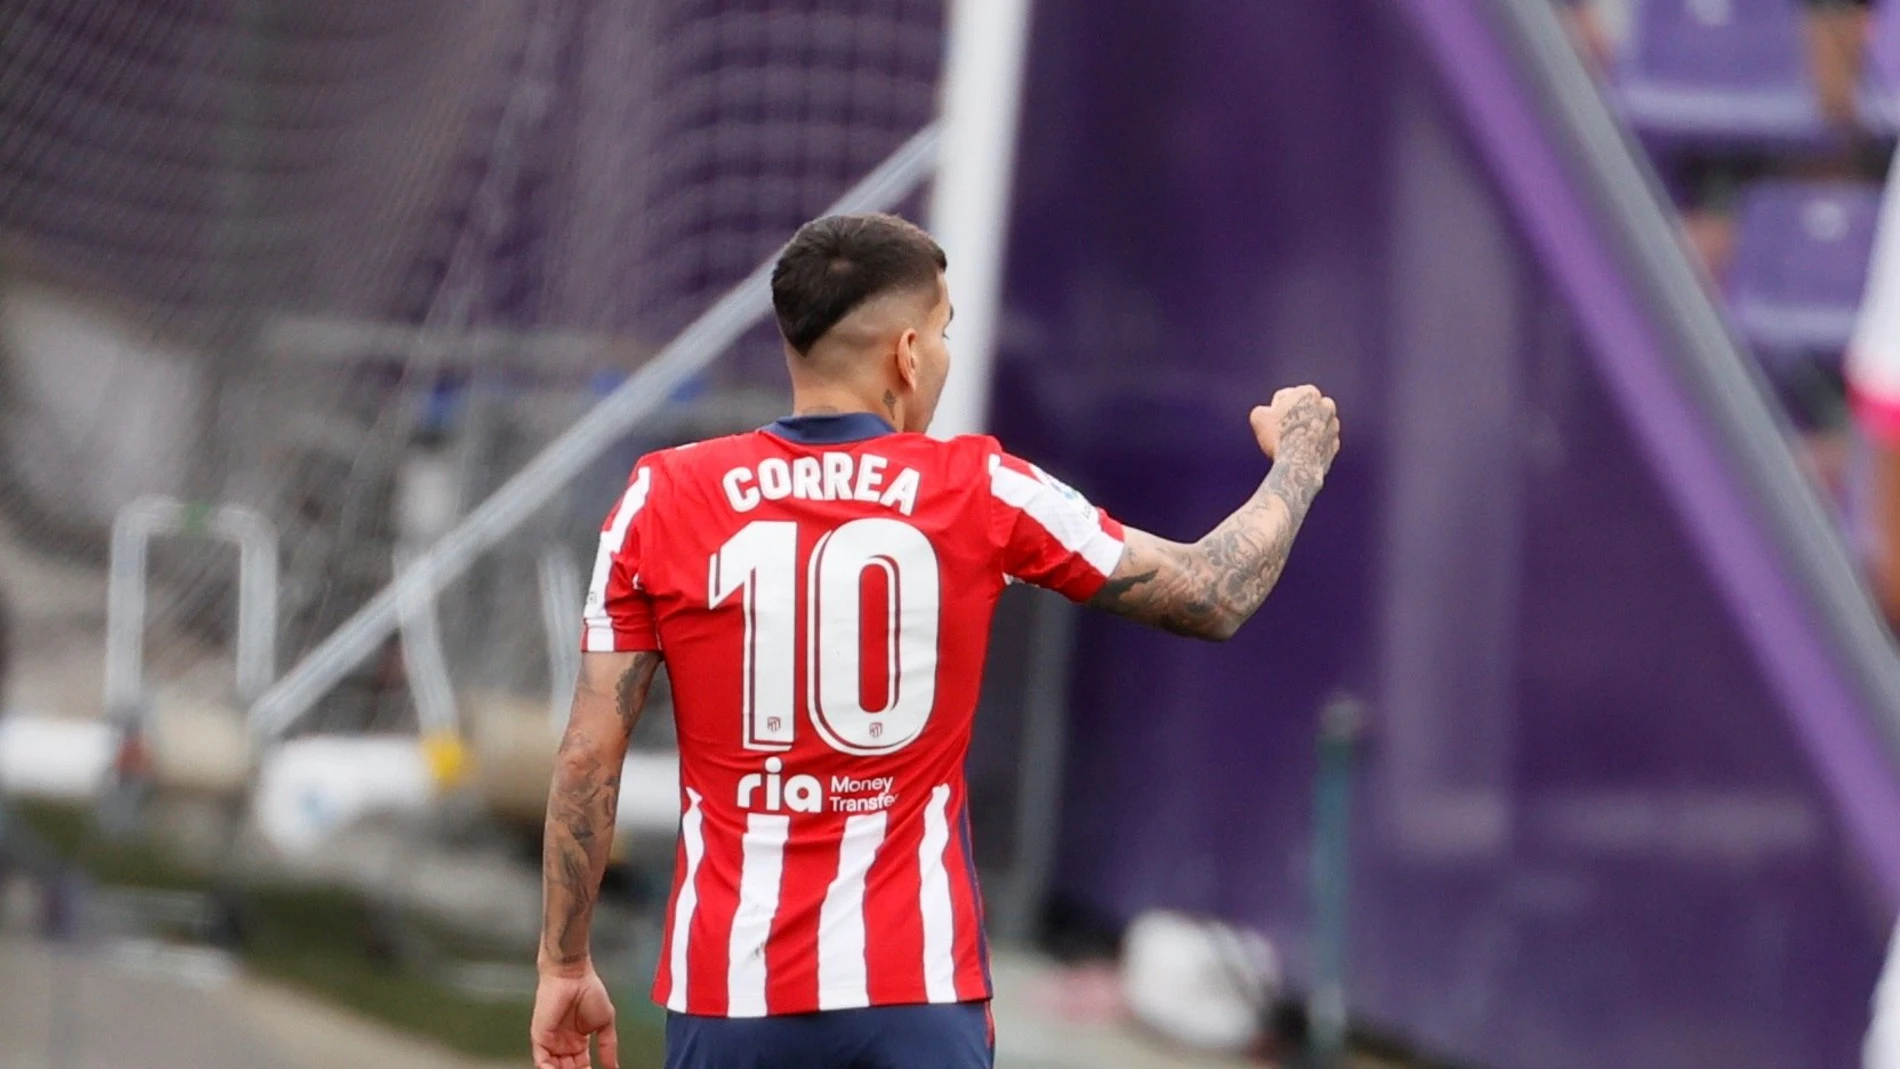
(1301, 425)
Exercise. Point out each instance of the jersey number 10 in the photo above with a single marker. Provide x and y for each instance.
(761, 561)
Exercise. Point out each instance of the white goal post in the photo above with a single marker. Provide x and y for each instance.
(969, 205)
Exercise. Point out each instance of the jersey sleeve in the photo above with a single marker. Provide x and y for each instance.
(1050, 535)
(618, 616)
(1873, 356)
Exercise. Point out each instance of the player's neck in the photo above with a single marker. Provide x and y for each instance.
(837, 402)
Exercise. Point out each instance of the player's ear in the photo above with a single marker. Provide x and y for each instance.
(907, 363)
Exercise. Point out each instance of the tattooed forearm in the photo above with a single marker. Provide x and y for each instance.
(583, 798)
(630, 693)
(1210, 588)
(581, 808)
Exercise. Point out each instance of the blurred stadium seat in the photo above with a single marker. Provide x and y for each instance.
(1725, 72)
(1801, 264)
(1883, 48)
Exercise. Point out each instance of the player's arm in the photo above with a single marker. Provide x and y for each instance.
(571, 1004)
(608, 697)
(1211, 587)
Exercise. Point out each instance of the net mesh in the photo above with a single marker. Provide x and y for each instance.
(350, 263)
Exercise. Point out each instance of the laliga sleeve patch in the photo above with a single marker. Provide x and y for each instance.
(1060, 487)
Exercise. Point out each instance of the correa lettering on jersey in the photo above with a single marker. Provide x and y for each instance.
(826, 477)
(775, 792)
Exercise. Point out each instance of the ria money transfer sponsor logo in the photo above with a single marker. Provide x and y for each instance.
(773, 791)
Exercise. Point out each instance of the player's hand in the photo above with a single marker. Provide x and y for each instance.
(1302, 424)
(567, 1010)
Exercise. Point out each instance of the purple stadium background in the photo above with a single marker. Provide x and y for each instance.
(1610, 791)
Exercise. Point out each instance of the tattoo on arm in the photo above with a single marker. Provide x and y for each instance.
(582, 802)
(580, 827)
(630, 694)
(1119, 586)
(1210, 588)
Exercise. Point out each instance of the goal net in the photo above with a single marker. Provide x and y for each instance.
(347, 267)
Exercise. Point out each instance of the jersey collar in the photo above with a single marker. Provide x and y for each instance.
(830, 429)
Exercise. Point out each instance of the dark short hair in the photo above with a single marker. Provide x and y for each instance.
(834, 264)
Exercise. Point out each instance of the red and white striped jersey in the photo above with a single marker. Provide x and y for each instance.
(822, 592)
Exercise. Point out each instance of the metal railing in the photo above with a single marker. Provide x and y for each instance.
(132, 533)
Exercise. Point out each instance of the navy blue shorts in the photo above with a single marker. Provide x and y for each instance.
(952, 1036)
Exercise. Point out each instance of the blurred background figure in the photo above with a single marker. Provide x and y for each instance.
(329, 330)
(1873, 379)
(1771, 126)
(1882, 1050)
